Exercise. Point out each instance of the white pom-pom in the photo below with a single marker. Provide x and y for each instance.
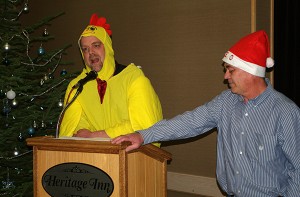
(270, 62)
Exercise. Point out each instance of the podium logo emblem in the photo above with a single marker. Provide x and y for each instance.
(77, 180)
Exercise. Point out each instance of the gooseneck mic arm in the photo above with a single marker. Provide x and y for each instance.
(61, 115)
(90, 76)
(79, 85)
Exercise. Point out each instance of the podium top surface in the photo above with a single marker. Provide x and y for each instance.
(93, 146)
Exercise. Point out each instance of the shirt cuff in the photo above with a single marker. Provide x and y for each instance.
(147, 136)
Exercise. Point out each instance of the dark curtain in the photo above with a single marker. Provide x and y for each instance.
(287, 48)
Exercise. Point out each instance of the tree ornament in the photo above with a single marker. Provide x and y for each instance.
(45, 33)
(6, 62)
(14, 103)
(41, 51)
(2, 94)
(60, 103)
(6, 107)
(31, 131)
(46, 77)
(10, 94)
(26, 8)
(7, 184)
(6, 110)
(63, 72)
(43, 125)
(35, 125)
(6, 47)
(50, 76)
(18, 170)
(42, 82)
(20, 137)
(16, 152)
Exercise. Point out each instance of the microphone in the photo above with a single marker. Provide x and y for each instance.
(90, 76)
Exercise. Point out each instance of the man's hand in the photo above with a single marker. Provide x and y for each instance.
(136, 140)
(88, 134)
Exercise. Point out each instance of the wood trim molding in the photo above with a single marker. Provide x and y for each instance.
(193, 184)
(272, 37)
(253, 15)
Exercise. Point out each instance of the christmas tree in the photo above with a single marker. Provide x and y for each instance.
(32, 86)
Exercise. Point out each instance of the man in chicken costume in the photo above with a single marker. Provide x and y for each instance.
(121, 100)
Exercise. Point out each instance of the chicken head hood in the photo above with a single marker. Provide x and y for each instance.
(100, 29)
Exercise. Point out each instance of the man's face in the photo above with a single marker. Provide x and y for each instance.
(93, 52)
(238, 80)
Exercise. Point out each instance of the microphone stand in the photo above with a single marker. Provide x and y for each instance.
(79, 90)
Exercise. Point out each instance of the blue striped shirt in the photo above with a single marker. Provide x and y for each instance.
(258, 146)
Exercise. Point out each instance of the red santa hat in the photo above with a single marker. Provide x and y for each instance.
(251, 54)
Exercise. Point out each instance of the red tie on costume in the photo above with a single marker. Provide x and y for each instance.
(101, 88)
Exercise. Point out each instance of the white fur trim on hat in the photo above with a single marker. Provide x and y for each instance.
(251, 68)
(270, 62)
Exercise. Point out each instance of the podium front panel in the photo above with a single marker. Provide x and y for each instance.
(140, 173)
(109, 163)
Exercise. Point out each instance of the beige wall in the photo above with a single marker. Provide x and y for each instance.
(179, 45)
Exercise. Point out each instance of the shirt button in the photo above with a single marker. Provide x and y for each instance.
(237, 172)
(246, 114)
(243, 133)
(241, 152)
(239, 191)
(261, 147)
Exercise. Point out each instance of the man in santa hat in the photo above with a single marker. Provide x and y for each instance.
(258, 147)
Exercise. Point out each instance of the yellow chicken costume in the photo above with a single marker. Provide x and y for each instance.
(129, 102)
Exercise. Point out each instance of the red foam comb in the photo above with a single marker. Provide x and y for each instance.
(95, 20)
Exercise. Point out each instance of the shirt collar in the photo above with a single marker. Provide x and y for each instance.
(260, 98)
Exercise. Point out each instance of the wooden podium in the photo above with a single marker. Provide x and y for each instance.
(140, 173)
